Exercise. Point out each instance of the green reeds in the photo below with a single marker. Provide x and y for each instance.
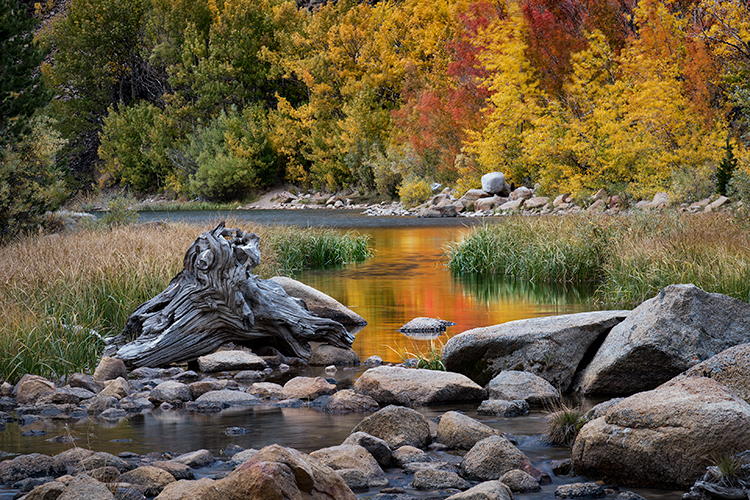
(630, 258)
(60, 294)
(430, 359)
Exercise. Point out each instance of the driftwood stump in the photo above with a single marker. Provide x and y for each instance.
(216, 299)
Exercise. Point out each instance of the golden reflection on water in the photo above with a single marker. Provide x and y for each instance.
(408, 278)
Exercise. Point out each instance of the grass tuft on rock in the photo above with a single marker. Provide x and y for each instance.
(563, 425)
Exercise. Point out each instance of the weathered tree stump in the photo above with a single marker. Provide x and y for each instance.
(216, 299)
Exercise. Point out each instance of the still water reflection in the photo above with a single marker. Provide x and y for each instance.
(407, 278)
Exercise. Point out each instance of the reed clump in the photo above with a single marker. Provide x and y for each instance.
(61, 295)
(629, 258)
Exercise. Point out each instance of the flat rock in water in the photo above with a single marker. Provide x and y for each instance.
(551, 347)
(319, 303)
(663, 438)
(417, 387)
(425, 325)
(228, 397)
(231, 360)
(664, 336)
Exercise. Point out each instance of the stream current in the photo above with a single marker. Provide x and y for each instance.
(406, 278)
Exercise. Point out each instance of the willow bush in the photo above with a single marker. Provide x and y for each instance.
(61, 295)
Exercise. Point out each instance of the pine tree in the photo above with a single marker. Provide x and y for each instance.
(21, 90)
(725, 170)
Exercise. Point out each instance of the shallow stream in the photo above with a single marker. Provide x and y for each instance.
(406, 278)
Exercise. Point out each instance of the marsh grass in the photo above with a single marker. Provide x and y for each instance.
(59, 295)
(728, 468)
(629, 258)
(563, 425)
(430, 359)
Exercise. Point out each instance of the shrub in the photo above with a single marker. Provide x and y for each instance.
(414, 191)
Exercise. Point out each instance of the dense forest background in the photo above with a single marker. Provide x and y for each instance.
(217, 98)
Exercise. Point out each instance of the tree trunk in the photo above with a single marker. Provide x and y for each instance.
(216, 299)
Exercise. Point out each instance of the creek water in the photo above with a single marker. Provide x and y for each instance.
(406, 278)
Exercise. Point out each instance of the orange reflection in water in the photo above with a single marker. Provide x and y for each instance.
(408, 278)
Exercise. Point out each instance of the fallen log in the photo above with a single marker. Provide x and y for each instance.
(216, 299)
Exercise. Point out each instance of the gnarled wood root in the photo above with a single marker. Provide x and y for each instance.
(216, 299)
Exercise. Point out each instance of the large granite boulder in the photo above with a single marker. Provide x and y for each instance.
(32, 465)
(170, 391)
(551, 347)
(730, 367)
(457, 430)
(282, 473)
(663, 438)
(663, 337)
(397, 426)
(494, 183)
(319, 303)
(85, 487)
(417, 387)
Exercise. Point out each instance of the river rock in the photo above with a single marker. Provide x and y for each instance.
(580, 490)
(504, 408)
(242, 457)
(202, 489)
(100, 404)
(411, 387)
(230, 360)
(175, 469)
(520, 482)
(276, 472)
(351, 456)
(512, 205)
(377, 447)
(423, 324)
(228, 397)
(110, 369)
(85, 381)
(438, 212)
(170, 391)
(319, 303)
(664, 336)
(510, 385)
(348, 401)
(663, 438)
(492, 457)
(308, 388)
(551, 347)
(397, 426)
(488, 490)
(730, 367)
(32, 465)
(494, 183)
(201, 387)
(61, 397)
(102, 459)
(70, 458)
(327, 355)
(431, 479)
(484, 204)
(148, 480)
(47, 491)
(117, 388)
(31, 387)
(473, 195)
(535, 202)
(266, 390)
(85, 487)
(405, 455)
(457, 430)
(196, 459)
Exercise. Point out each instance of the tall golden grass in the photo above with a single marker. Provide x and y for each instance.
(60, 294)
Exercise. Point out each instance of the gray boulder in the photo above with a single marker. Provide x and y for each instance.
(457, 430)
(522, 193)
(494, 183)
(520, 482)
(422, 324)
(110, 369)
(203, 489)
(405, 456)
(488, 490)
(84, 381)
(551, 347)
(348, 401)
(492, 457)
(504, 408)
(327, 355)
(416, 387)
(148, 480)
(46, 491)
(175, 469)
(431, 479)
(397, 426)
(228, 397)
(377, 447)
(32, 387)
(231, 360)
(484, 204)
(266, 390)
(510, 385)
(170, 391)
(308, 388)
(319, 303)
(436, 212)
(101, 459)
(663, 438)
(473, 195)
(663, 337)
(535, 202)
(352, 456)
(580, 490)
(196, 459)
(85, 487)
(730, 367)
(32, 465)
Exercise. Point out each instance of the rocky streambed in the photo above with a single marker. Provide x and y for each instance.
(677, 366)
